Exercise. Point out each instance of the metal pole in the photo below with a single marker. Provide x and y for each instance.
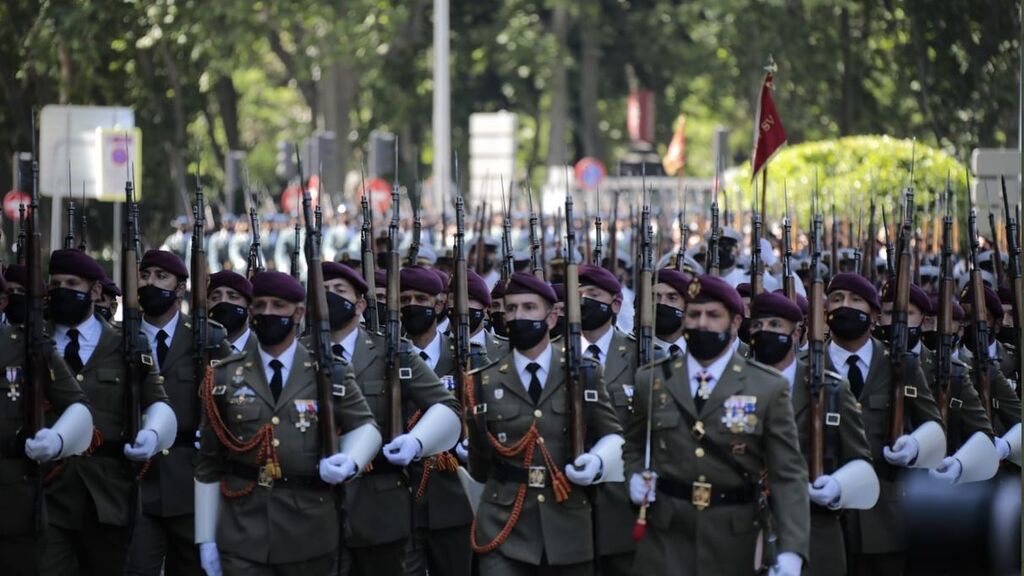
(442, 104)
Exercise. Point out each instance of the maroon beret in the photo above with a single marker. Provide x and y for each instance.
(680, 281)
(525, 283)
(1005, 294)
(918, 297)
(334, 270)
(16, 273)
(499, 290)
(420, 278)
(277, 285)
(232, 280)
(857, 284)
(445, 279)
(775, 304)
(110, 288)
(958, 312)
(478, 288)
(380, 278)
(591, 275)
(709, 288)
(168, 261)
(933, 300)
(801, 302)
(559, 289)
(75, 262)
(744, 289)
(992, 302)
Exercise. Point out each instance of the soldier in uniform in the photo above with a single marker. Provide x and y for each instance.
(496, 314)
(1006, 337)
(264, 498)
(106, 306)
(89, 498)
(530, 519)
(1006, 405)
(849, 480)
(68, 435)
(230, 296)
(721, 432)
(876, 538)
(16, 278)
(378, 504)
(480, 303)
(600, 302)
(668, 311)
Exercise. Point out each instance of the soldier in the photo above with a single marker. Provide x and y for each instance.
(600, 301)
(480, 304)
(263, 492)
(89, 500)
(16, 278)
(443, 324)
(163, 537)
(849, 482)
(721, 433)
(876, 538)
(441, 511)
(668, 311)
(106, 306)
(230, 298)
(530, 520)
(378, 504)
(68, 435)
(1006, 405)
(496, 314)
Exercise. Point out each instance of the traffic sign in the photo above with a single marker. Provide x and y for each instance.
(13, 201)
(590, 173)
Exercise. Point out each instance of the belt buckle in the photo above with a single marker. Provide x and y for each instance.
(266, 477)
(536, 477)
(700, 497)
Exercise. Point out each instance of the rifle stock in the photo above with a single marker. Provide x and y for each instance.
(393, 332)
(816, 356)
(573, 344)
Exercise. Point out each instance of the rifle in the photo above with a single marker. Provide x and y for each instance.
(20, 256)
(507, 261)
(711, 258)
(867, 268)
(417, 232)
(613, 239)
(255, 263)
(481, 212)
(856, 243)
(979, 326)
(393, 333)
(644, 319)
(295, 248)
(816, 354)
(82, 241)
(367, 263)
(756, 264)
(890, 271)
(997, 257)
(902, 367)
(944, 354)
(788, 280)
(69, 238)
(461, 293)
(684, 235)
(573, 345)
(133, 343)
(595, 256)
(536, 252)
(834, 269)
(1015, 280)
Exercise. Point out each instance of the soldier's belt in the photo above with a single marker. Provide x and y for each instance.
(109, 449)
(704, 494)
(534, 476)
(292, 480)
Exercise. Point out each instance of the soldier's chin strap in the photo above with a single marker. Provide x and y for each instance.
(437, 430)
(75, 429)
(361, 444)
(207, 509)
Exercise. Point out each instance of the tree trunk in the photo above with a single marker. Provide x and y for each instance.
(338, 88)
(227, 101)
(173, 148)
(590, 66)
(558, 115)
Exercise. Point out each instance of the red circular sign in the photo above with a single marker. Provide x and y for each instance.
(13, 201)
(378, 191)
(590, 173)
(291, 198)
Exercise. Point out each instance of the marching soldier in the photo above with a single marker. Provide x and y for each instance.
(876, 538)
(496, 314)
(480, 305)
(106, 306)
(16, 278)
(712, 432)
(849, 482)
(264, 497)
(530, 519)
(230, 298)
(68, 435)
(1006, 405)
(668, 311)
(600, 302)
(378, 503)
(89, 499)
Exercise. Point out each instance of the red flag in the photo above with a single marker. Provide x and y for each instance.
(769, 135)
(675, 158)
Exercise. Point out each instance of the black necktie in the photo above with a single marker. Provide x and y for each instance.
(339, 351)
(594, 352)
(674, 350)
(855, 376)
(277, 382)
(161, 348)
(425, 356)
(534, 390)
(703, 391)
(71, 357)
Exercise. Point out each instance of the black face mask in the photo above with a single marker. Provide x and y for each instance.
(525, 334)
(930, 339)
(705, 344)
(231, 316)
(1007, 335)
(16, 309)
(341, 310)
(883, 333)
(848, 323)
(156, 301)
(498, 324)
(667, 320)
(476, 317)
(417, 319)
(382, 312)
(488, 265)
(271, 329)
(744, 332)
(913, 337)
(68, 307)
(970, 342)
(594, 313)
(725, 258)
(104, 313)
(770, 347)
(443, 314)
(559, 328)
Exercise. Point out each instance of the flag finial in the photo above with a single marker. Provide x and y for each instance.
(771, 66)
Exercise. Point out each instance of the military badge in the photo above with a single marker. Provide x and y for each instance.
(306, 409)
(449, 382)
(13, 374)
(694, 289)
(502, 437)
(740, 414)
(243, 395)
(499, 393)
(13, 392)
(627, 389)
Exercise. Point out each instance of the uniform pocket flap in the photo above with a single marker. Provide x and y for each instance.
(664, 419)
(500, 493)
(619, 398)
(373, 388)
(185, 372)
(243, 412)
(878, 402)
(108, 375)
(502, 411)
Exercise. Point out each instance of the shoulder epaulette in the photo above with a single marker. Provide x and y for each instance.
(482, 368)
(769, 369)
(833, 374)
(227, 359)
(657, 361)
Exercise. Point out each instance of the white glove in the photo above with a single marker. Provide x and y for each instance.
(1002, 447)
(209, 558)
(824, 491)
(584, 470)
(904, 451)
(402, 450)
(47, 444)
(337, 468)
(144, 447)
(787, 564)
(949, 471)
(462, 451)
(642, 487)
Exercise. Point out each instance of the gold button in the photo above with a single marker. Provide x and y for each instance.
(537, 413)
(275, 420)
(700, 452)
(540, 497)
(79, 377)
(276, 443)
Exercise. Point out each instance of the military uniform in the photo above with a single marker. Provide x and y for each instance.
(1006, 357)
(966, 414)
(1006, 405)
(19, 493)
(749, 416)
(378, 504)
